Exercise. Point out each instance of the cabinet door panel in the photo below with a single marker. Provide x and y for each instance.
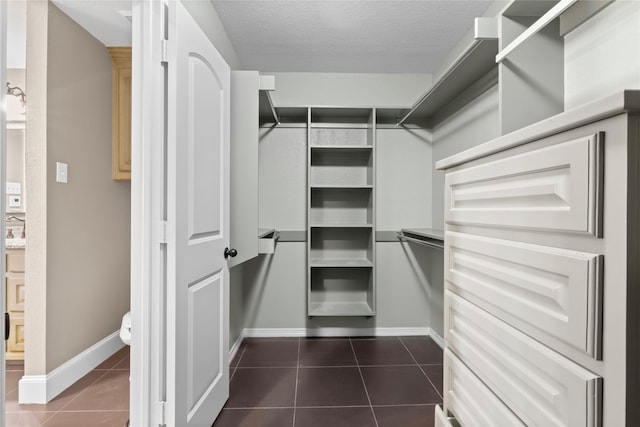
(15, 262)
(15, 293)
(15, 343)
(540, 386)
(552, 188)
(245, 86)
(541, 290)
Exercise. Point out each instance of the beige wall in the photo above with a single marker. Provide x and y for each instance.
(87, 220)
(35, 176)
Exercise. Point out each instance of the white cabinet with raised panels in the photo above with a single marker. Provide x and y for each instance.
(542, 237)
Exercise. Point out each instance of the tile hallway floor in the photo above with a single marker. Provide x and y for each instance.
(334, 382)
(99, 399)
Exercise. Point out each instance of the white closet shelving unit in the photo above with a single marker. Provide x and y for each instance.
(341, 214)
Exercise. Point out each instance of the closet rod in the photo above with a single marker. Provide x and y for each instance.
(273, 109)
(542, 22)
(420, 241)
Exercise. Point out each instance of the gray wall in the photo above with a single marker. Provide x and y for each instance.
(87, 221)
(475, 123)
(349, 89)
(602, 56)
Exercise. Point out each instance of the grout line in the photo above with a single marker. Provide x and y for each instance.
(268, 367)
(295, 395)
(422, 370)
(84, 389)
(235, 368)
(364, 384)
(334, 366)
(239, 408)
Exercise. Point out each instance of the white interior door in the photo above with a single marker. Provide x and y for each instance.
(198, 224)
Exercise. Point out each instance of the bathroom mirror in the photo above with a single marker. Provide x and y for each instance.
(15, 202)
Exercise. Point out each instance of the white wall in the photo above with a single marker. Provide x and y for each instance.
(603, 54)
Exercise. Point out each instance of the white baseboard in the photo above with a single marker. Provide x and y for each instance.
(338, 332)
(437, 338)
(40, 389)
(236, 345)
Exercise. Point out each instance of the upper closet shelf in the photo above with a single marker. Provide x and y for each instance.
(423, 236)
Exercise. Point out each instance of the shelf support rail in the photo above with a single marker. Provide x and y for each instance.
(273, 109)
(432, 243)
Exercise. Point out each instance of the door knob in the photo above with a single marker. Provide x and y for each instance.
(230, 253)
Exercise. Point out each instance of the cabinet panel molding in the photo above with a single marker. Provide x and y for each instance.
(470, 400)
(541, 290)
(121, 112)
(540, 386)
(556, 188)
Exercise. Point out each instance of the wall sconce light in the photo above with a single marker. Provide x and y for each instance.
(16, 105)
(17, 92)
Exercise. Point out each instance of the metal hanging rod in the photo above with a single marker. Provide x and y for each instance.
(431, 243)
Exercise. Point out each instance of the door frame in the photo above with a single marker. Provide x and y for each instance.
(3, 190)
(148, 197)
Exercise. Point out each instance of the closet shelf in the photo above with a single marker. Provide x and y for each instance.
(477, 60)
(342, 147)
(423, 236)
(340, 309)
(340, 225)
(346, 186)
(339, 262)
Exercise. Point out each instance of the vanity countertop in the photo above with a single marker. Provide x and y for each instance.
(16, 243)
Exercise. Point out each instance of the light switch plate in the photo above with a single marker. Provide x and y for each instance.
(61, 172)
(14, 188)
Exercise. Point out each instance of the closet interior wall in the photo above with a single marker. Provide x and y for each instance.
(275, 285)
(409, 192)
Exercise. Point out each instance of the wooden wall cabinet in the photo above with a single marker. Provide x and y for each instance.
(15, 303)
(121, 112)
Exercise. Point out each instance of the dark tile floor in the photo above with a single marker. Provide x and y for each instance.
(302, 382)
(100, 398)
(334, 382)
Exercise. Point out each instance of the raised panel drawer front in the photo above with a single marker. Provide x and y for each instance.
(542, 290)
(552, 188)
(472, 403)
(542, 387)
(441, 419)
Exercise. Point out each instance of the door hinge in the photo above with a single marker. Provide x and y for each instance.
(165, 55)
(162, 232)
(161, 409)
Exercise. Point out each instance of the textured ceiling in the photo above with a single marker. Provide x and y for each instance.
(371, 36)
(408, 36)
